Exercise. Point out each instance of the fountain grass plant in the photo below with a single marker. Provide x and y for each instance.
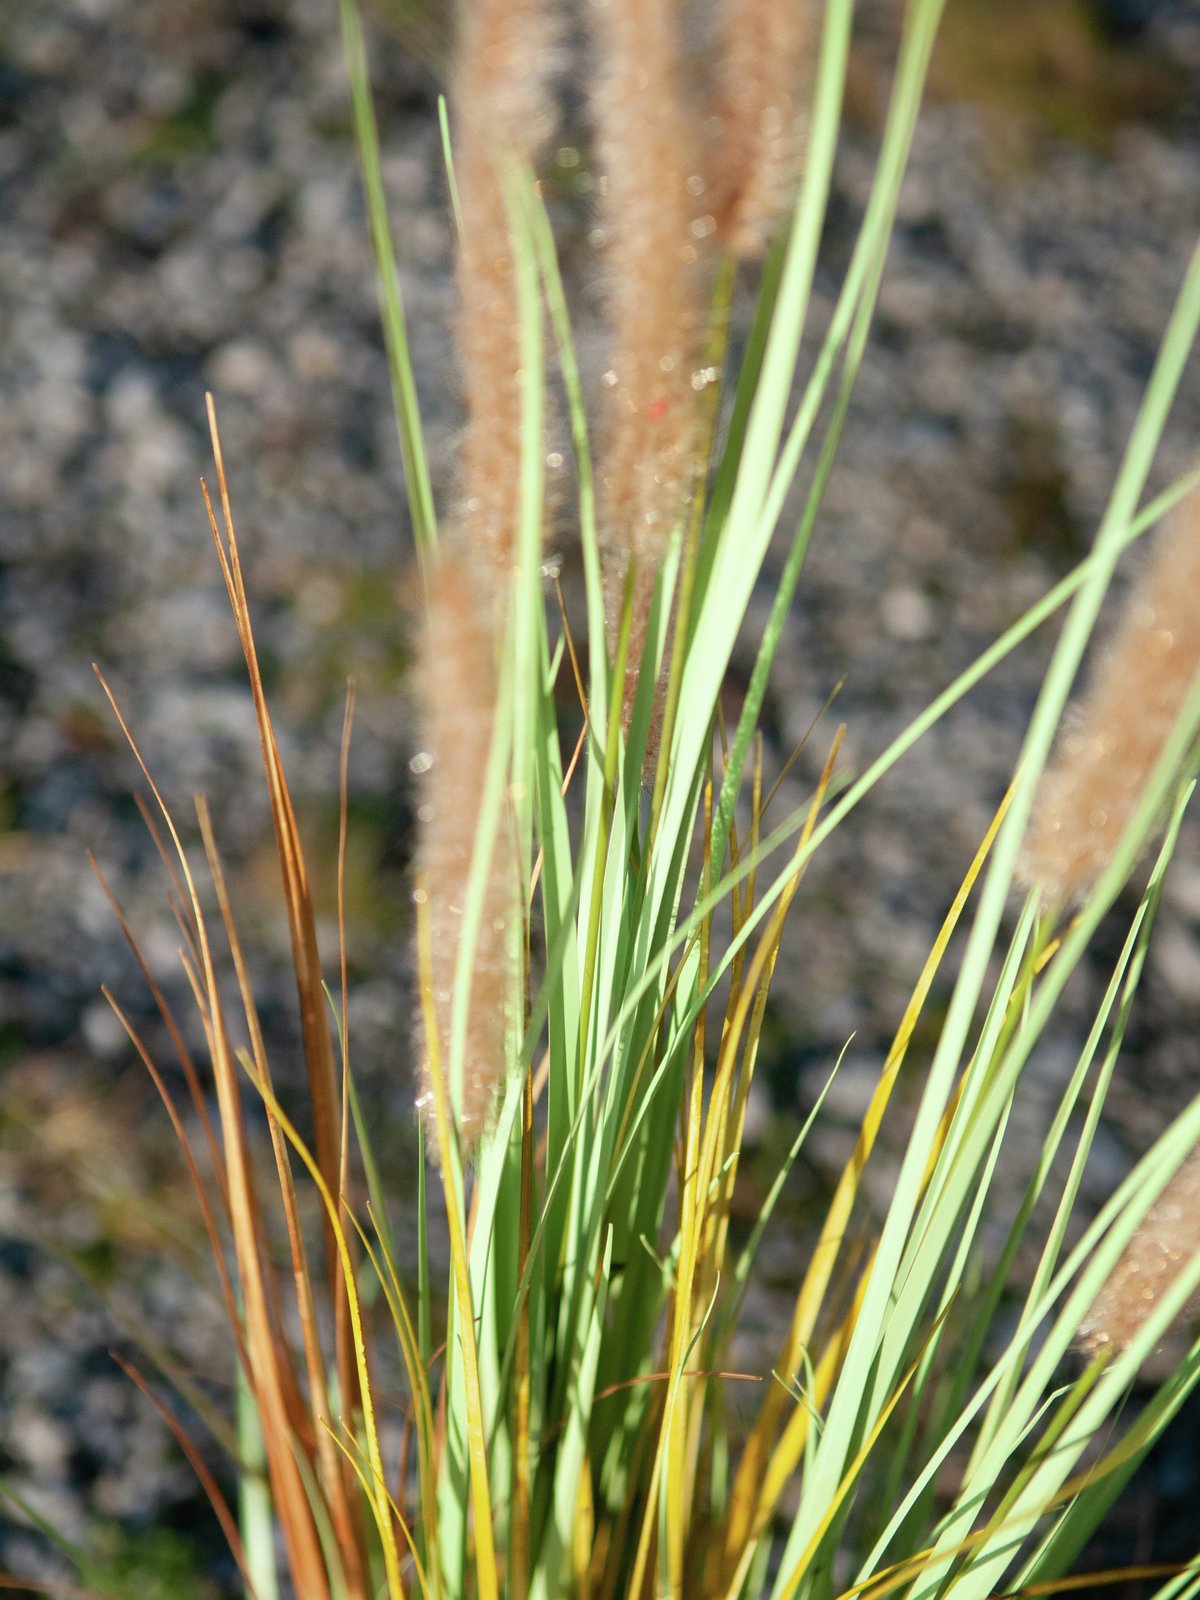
(930, 1425)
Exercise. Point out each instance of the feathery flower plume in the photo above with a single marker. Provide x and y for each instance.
(650, 219)
(755, 130)
(455, 689)
(505, 51)
(1160, 1249)
(1091, 790)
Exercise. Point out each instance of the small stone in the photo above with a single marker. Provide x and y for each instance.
(906, 615)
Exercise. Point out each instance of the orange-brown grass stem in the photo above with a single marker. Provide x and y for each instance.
(306, 961)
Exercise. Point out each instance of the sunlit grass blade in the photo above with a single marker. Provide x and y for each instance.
(792, 1577)
(384, 1266)
(853, 312)
(1123, 984)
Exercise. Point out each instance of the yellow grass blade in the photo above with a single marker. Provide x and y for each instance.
(786, 1456)
(519, 1533)
(720, 1143)
(691, 1225)
(818, 1275)
(418, 1383)
(341, 1334)
(365, 1477)
(379, 1497)
(585, 1533)
(703, 1142)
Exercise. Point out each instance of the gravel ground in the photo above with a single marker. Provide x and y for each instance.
(180, 210)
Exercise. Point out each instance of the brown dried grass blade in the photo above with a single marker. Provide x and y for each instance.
(206, 1213)
(267, 1360)
(58, 1591)
(182, 1053)
(318, 1047)
(198, 1465)
(318, 1416)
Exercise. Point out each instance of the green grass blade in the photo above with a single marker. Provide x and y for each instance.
(395, 331)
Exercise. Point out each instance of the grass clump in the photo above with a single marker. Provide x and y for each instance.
(597, 929)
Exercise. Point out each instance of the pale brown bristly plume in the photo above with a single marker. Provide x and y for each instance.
(1161, 1248)
(652, 217)
(1091, 789)
(503, 114)
(504, 52)
(456, 691)
(755, 131)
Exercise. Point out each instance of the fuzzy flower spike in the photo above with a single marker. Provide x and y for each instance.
(649, 200)
(502, 117)
(1161, 1248)
(755, 130)
(456, 686)
(1091, 789)
(1087, 799)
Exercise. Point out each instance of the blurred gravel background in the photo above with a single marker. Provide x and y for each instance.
(180, 210)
